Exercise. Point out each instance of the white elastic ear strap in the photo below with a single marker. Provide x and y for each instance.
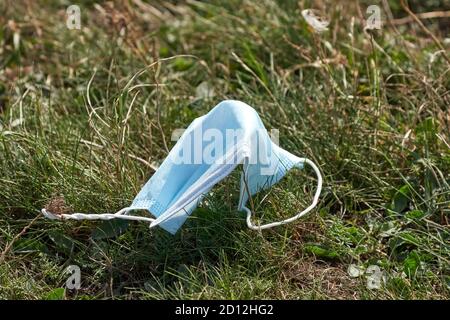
(298, 215)
(121, 214)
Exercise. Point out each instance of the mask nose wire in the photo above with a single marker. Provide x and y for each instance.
(298, 215)
(121, 214)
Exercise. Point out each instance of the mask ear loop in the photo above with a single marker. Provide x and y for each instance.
(298, 215)
(121, 214)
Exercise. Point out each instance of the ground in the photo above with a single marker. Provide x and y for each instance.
(86, 115)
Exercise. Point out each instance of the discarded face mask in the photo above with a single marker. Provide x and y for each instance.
(231, 134)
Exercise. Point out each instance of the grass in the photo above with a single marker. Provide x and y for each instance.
(85, 115)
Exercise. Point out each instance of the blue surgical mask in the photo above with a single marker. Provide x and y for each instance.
(231, 134)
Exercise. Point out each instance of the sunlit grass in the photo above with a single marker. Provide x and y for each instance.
(87, 114)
